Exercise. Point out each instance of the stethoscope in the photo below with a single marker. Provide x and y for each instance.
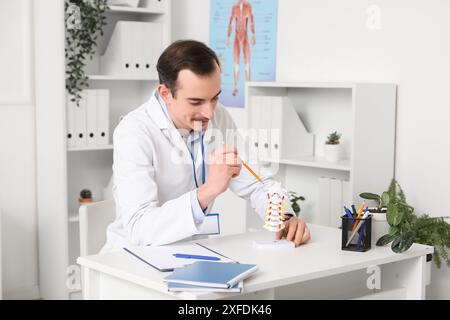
(203, 162)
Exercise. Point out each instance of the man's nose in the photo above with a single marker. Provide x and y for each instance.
(208, 111)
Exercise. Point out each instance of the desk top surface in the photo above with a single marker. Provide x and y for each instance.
(321, 257)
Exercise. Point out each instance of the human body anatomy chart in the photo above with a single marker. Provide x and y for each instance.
(243, 34)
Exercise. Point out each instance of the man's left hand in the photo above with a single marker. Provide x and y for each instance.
(295, 230)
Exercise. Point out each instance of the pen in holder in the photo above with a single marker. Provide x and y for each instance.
(356, 233)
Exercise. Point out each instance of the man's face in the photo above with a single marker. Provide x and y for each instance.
(195, 99)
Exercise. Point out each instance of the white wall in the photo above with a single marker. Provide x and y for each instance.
(329, 40)
(17, 152)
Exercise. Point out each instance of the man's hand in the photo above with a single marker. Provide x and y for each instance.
(296, 231)
(224, 164)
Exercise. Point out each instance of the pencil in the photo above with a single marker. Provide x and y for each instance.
(252, 172)
(361, 208)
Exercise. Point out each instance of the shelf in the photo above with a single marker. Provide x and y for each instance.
(73, 217)
(132, 10)
(106, 147)
(310, 84)
(122, 78)
(313, 162)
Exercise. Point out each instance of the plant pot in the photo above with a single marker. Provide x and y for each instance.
(428, 266)
(125, 3)
(332, 152)
(380, 226)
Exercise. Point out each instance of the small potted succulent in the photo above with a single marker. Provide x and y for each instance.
(333, 147)
(85, 196)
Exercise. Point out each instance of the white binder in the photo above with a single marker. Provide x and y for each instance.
(264, 114)
(91, 117)
(294, 140)
(152, 47)
(254, 129)
(347, 199)
(70, 121)
(80, 122)
(102, 117)
(132, 45)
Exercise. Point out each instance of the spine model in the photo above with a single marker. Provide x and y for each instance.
(275, 209)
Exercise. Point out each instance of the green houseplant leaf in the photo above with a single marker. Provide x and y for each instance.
(386, 239)
(403, 242)
(370, 196)
(393, 215)
(385, 199)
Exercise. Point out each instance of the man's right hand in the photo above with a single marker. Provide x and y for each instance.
(224, 164)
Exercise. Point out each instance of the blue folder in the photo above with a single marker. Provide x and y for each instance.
(212, 274)
(172, 286)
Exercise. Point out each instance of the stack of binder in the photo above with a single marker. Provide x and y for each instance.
(133, 49)
(278, 131)
(88, 122)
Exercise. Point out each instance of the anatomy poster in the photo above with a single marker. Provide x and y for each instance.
(243, 34)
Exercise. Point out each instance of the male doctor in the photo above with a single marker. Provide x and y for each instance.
(168, 168)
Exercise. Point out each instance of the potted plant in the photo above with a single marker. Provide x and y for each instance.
(84, 23)
(380, 225)
(333, 147)
(405, 227)
(294, 198)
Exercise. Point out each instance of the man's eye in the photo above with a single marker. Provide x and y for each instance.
(195, 103)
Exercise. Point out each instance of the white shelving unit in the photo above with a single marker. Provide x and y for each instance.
(364, 113)
(120, 78)
(75, 169)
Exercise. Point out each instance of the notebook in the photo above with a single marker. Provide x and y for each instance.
(176, 287)
(212, 274)
(162, 259)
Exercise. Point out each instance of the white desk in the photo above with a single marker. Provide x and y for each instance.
(119, 275)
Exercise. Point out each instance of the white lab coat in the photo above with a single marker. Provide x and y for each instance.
(153, 178)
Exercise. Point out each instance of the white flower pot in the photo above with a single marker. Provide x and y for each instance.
(125, 3)
(380, 226)
(332, 152)
(428, 271)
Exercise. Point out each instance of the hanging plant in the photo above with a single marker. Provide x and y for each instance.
(84, 23)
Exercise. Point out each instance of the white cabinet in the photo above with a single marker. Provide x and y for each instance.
(365, 115)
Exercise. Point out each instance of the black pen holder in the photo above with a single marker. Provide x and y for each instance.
(356, 234)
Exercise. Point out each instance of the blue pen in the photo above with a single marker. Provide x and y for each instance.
(349, 214)
(194, 256)
(362, 236)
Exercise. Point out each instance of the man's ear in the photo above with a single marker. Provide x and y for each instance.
(164, 93)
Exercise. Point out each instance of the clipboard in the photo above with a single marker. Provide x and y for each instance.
(161, 257)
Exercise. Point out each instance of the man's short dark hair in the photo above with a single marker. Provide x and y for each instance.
(185, 54)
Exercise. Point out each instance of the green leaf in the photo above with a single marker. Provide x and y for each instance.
(384, 199)
(390, 214)
(403, 242)
(384, 240)
(370, 196)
